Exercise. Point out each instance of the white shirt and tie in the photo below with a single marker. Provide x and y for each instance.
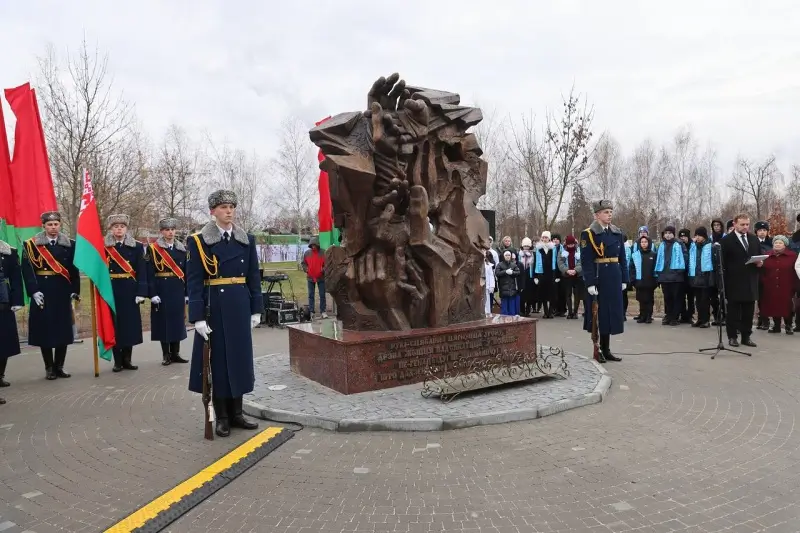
(743, 239)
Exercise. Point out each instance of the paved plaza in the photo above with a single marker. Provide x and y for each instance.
(681, 443)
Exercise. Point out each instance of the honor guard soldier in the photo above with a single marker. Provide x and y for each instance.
(165, 276)
(11, 301)
(129, 281)
(604, 273)
(52, 282)
(225, 303)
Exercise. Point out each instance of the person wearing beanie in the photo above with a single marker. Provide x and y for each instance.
(527, 261)
(569, 265)
(779, 283)
(546, 274)
(625, 300)
(643, 231)
(605, 277)
(765, 241)
(560, 306)
(506, 272)
(717, 230)
(643, 277)
(687, 298)
(701, 276)
(728, 227)
(671, 272)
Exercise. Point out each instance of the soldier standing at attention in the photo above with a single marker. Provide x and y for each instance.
(225, 304)
(603, 261)
(52, 282)
(165, 276)
(129, 281)
(11, 301)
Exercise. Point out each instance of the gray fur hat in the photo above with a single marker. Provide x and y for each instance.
(220, 197)
(118, 219)
(49, 216)
(602, 205)
(167, 223)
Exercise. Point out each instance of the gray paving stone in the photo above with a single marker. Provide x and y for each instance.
(404, 408)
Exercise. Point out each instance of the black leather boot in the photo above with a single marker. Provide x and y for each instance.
(175, 353)
(117, 360)
(237, 416)
(166, 356)
(3, 363)
(126, 360)
(223, 427)
(58, 364)
(605, 341)
(49, 371)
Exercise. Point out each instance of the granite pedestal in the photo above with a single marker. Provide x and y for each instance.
(351, 362)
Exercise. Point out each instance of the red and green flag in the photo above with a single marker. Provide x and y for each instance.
(328, 235)
(91, 259)
(28, 175)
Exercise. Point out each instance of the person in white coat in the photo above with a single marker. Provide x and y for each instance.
(488, 282)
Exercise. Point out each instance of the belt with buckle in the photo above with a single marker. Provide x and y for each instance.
(607, 260)
(45, 273)
(226, 281)
(165, 274)
(124, 275)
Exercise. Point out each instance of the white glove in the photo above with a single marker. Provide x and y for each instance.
(15, 308)
(38, 297)
(592, 290)
(536, 281)
(558, 279)
(139, 300)
(624, 286)
(509, 271)
(255, 320)
(186, 299)
(155, 299)
(202, 329)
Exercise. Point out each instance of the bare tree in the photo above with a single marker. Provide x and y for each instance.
(178, 173)
(294, 167)
(87, 123)
(605, 168)
(245, 175)
(793, 191)
(690, 177)
(757, 182)
(490, 135)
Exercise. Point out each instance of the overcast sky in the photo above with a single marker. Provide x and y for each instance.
(730, 69)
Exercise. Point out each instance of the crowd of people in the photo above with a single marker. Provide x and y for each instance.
(545, 276)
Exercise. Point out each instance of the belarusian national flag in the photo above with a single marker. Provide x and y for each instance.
(90, 258)
(31, 183)
(328, 235)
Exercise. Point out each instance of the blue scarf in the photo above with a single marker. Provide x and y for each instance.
(705, 259)
(628, 254)
(539, 266)
(676, 261)
(636, 257)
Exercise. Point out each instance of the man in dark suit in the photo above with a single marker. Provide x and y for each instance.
(741, 280)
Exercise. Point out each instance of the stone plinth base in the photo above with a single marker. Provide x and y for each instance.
(359, 361)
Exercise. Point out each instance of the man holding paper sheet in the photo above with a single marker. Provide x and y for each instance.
(741, 279)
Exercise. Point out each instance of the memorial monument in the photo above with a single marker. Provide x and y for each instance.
(405, 178)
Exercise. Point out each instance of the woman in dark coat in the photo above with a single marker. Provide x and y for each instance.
(507, 272)
(11, 301)
(780, 282)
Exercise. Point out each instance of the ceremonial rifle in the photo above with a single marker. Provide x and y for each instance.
(208, 406)
(595, 333)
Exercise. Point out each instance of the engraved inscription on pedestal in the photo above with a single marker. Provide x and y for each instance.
(408, 359)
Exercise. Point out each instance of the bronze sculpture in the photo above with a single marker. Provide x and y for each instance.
(405, 178)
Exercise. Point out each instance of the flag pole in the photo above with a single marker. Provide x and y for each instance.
(94, 331)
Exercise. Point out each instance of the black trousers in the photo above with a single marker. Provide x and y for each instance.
(717, 306)
(625, 302)
(702, 301)
(673, 293)
(740, 319)
(169, 348)
(646, 297)
(52, 360)
(687, 303)
(573, 293)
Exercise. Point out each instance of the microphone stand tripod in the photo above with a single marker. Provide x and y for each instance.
(720, 278)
